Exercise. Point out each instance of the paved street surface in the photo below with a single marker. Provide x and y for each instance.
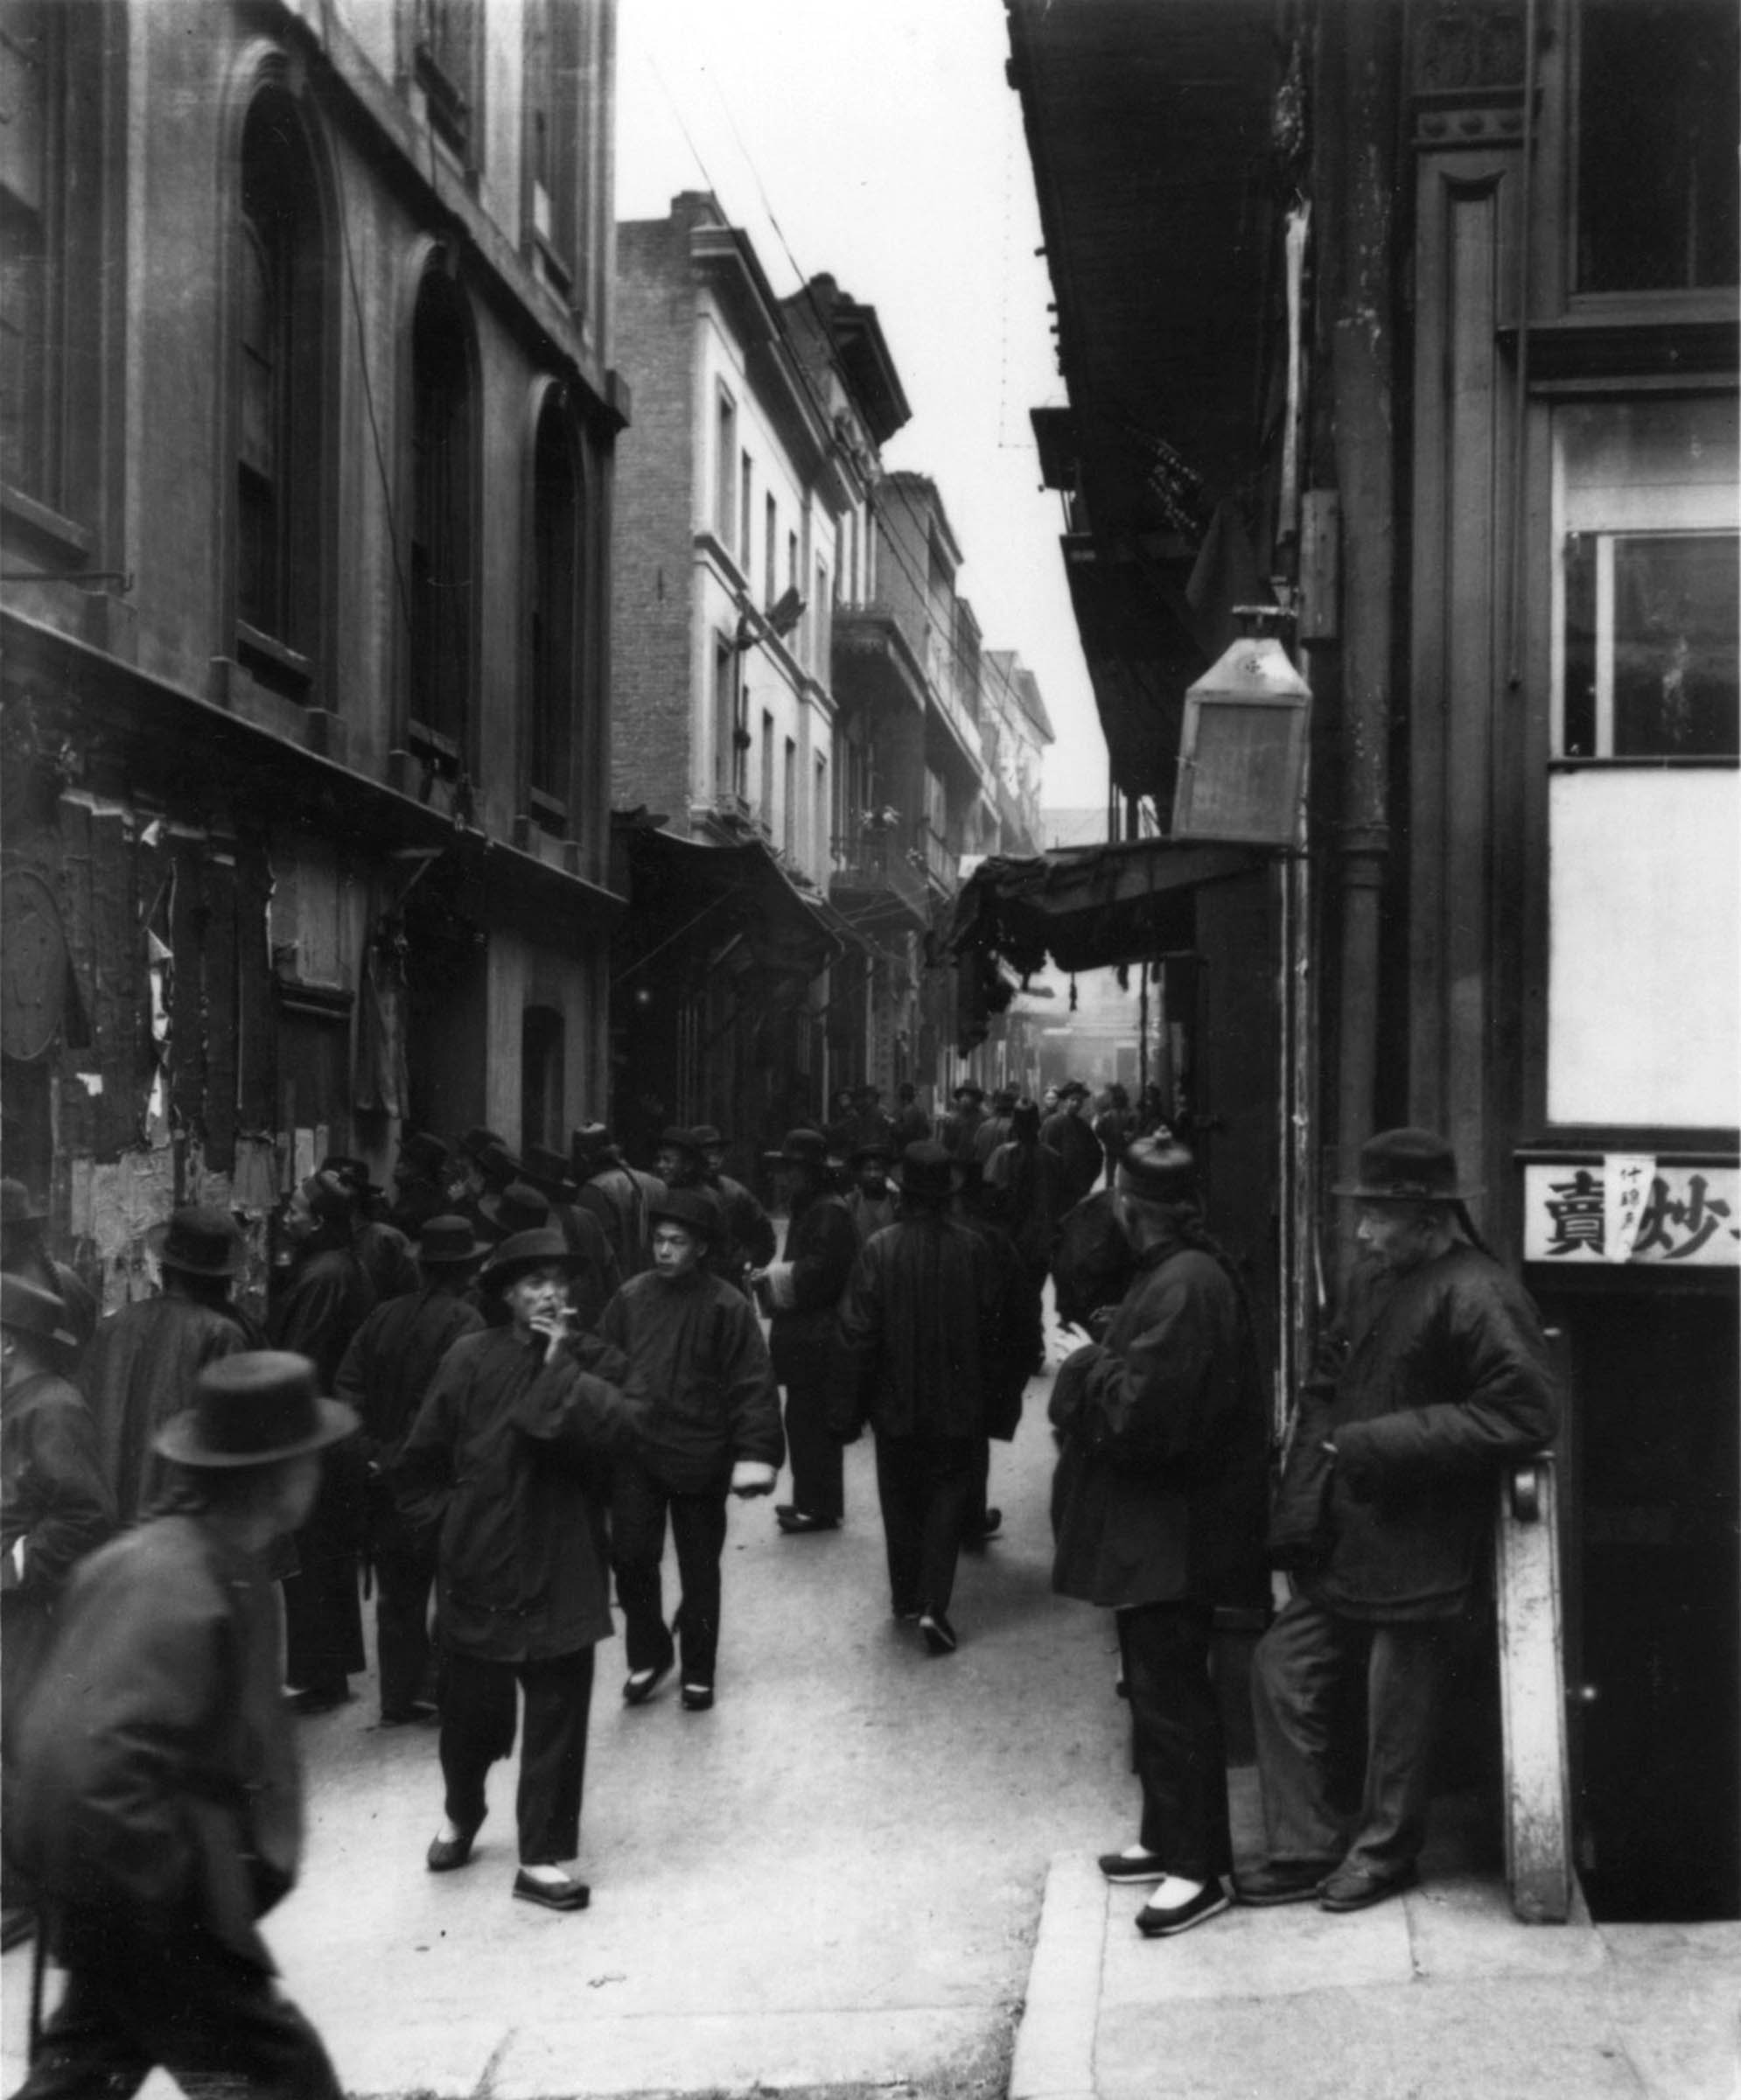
(858, 1867)
(835, 1877)
(1441, 1995)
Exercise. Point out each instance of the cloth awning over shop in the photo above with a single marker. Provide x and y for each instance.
(679, 889)
(1086, 906)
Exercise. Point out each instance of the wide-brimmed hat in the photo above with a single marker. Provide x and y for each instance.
(926, 1169)
(708, 1135)
(678, 1138)
(255, 1409)
(548, 1172)
(480, 1140)
(969, 1089)
(199, 1240)
(800, 1148)
(523, 1250)
(1158, 1170)
(519, 1208)
(1407, 1165)
(695, 1209)
(872, 1148)
(17, 1206)
(28, 1308)
(447, 1242)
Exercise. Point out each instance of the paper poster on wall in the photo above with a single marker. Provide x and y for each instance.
(1630, 1207)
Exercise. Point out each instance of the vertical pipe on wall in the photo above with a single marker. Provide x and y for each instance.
(1359, 85)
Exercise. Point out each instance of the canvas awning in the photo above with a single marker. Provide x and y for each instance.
(680, 889)
(1085, 908)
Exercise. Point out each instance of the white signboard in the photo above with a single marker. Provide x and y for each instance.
(1630, 1207)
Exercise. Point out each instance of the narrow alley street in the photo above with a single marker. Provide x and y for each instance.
(833, 1879)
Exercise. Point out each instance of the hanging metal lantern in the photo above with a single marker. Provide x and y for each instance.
(1241, 760)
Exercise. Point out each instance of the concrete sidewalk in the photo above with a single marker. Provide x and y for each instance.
(1439, 1995)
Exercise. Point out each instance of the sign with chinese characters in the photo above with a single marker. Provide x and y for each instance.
(1630, 1207)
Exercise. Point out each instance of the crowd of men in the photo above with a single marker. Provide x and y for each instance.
(500, 1382)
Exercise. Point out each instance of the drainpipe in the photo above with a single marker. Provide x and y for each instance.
(1361, 114)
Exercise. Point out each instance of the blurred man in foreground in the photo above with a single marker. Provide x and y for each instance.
(159, 1806)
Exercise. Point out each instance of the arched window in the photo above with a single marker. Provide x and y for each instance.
(557, 571)
(279, 386)
(443, 553)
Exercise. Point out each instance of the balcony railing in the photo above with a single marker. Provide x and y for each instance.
(880, 863)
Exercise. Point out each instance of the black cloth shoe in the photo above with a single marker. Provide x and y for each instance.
(641, 1685)
(1279, 1881)
(939, 1635)
(1355, 1887)
(797, 1524)
(446, 1853)
(1149, 1867)
(1155, 1923)
(321, 1698)
(403, 1717)
(566, 1895)
(698, 1698)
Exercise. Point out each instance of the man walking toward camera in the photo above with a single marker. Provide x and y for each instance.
(1438, 1377)
(708, 1428)
(160, 1804)
(1158, 1507)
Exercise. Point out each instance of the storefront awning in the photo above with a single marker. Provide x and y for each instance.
(1086, 906)
(682, 892)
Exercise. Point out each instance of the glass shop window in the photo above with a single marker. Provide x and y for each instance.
(1645, 633)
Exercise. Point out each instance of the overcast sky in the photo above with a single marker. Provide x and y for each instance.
(880, 135)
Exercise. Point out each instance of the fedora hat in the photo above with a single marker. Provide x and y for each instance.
(523, 1250)
(519, 1208)
(1159, 1171)
(446, 1243)
(676, 1138)
(800, 1148)
(969, 1089)
(476, 1142)
(253, 1410)
(17, 1206)
(1407, 1165)
(708, 1135)
(872, 1148)
(1073, 1087)
(926, 1169)
(548, 1172)
(199, 1240)
(27, 1308)
(695, 1209)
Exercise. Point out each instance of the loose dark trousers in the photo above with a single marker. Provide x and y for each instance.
(925, 1485)
(215, 2022)
(1176, 1736)
(815, 1457)
(1298, 1674)
(979, 1490)
(477, 1728)
(404, 1580)
(640, 1501)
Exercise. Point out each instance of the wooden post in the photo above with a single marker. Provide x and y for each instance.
(1532, 1695)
